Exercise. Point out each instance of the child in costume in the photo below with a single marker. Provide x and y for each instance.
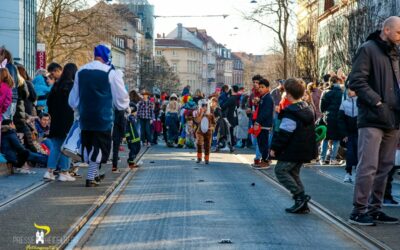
(206, 124)
(182, 137)
(132, 137)
(189, 126)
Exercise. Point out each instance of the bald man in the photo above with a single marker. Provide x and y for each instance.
(375, 77)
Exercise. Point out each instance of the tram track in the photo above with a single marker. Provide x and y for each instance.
(23, 193)
(80, 232)
(364, 239)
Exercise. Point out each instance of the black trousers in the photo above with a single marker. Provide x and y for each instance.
(118, 134)
(263, 144)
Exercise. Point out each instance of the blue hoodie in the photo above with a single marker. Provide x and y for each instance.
(42, 90)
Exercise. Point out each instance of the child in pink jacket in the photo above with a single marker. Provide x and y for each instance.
(6, 85)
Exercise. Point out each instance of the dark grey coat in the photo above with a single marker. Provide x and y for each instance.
(374, 80)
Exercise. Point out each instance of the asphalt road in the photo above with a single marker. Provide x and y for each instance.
(174, 203)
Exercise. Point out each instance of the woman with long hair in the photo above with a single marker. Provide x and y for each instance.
(31, 99)
(62, 117)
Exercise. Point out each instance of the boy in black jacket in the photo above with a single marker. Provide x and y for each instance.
(294, 144)
(265, 113)
(132, 137)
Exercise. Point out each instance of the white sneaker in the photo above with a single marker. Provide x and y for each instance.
(335, 162)
(49, 176)
(347, 178)
(225, 149)
(65, 177)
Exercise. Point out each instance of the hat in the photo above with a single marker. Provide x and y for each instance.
(190, 105)
(103, 52)
(145, 92)
(186, 98)
(173, 96)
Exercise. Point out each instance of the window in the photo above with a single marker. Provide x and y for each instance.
(174, 53)
(159, 52)
(175, 67)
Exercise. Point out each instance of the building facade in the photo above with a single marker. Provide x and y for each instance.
(330, 31)
(18, 31)
(237, 74)
(185, 58)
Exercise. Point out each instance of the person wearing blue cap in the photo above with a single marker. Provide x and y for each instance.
(98, 90)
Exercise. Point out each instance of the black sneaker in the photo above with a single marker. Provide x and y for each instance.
(198, 160)
(362, 220)
(92, 183)
(299, 203)
(381, 217)
(390, 202)
(304, 210)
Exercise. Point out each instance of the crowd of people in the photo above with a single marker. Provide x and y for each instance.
(345, 121)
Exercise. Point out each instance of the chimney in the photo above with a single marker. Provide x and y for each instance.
(163, 35)
(158, 35)
(179, 36)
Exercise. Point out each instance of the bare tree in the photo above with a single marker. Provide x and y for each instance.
(275, 15)
(70, 29)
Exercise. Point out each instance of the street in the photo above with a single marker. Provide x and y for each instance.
(174, 203)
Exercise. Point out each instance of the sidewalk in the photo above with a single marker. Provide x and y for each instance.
(58, 205)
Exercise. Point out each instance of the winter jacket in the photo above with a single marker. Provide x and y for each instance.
(316, 98)
(42, 90)
(374, 80)
(276, 95)
(243, 125)
(62, 115)
(329, 105)
(265, 111)
(131, 132)
(10, 144)
(223, 97)
(20, 115)
(347, 116)
(32, 97)
(229, 110)
(42, 131)
(296, 140)
(5, 98)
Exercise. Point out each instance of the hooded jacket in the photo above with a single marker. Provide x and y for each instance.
(42, 90)
(373, 78)
(296, 140)
(347, 116)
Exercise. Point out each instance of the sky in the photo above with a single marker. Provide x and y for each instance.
(249, 37)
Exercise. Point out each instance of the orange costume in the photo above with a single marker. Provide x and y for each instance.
(206, 124)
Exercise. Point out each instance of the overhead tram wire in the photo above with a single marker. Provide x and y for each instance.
(189, 16)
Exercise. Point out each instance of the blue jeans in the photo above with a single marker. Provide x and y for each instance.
(38, 158)
(56, 158)
(254, 141)
(351, 152)
(145, 130)
(334, 152)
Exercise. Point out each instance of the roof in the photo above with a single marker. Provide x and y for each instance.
(175, 43)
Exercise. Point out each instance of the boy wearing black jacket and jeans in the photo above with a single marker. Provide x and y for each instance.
(265, 113)
(294, 144)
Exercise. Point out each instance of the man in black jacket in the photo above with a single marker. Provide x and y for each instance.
(229, 112)
(375, 78)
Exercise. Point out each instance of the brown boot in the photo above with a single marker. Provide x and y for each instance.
(207, 159)
(199, 157)
(263, 165)
(256, 163)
